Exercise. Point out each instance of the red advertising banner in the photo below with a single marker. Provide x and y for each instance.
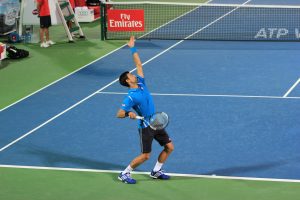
(125, 20)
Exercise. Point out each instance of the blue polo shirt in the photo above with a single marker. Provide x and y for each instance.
(140, 100)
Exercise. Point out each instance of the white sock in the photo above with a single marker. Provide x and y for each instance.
(127, 170)
(158, 166)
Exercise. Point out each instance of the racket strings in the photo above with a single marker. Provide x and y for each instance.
(159, 120)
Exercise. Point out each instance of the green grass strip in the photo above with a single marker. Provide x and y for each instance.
(33, 184)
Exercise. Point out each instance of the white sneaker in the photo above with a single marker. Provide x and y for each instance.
(50, 42)
(44, 45)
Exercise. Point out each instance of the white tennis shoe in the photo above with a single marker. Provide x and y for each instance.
(50, 42)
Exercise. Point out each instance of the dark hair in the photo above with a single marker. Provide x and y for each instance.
(122, 79)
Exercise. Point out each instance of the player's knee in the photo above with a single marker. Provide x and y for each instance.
(169, 148)
(146, 156)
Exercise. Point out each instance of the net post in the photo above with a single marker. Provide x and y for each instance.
(103, 19)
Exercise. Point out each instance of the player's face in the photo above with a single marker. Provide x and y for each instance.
(132, 78)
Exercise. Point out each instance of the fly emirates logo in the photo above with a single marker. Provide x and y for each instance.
(125, 20)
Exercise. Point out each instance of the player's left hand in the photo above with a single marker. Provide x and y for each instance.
(131, 115)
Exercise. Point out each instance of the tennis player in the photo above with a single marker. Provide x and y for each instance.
(139, 99)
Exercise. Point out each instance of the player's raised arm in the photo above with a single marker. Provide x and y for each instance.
(136, 57)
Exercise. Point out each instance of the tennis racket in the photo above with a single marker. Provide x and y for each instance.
(157, 121)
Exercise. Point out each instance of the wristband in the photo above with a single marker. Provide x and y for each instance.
(133, 50)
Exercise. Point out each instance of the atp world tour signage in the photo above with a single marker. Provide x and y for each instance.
(278, 33)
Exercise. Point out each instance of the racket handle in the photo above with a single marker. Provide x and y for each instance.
(139, 117)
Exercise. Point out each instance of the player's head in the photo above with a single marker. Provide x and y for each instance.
(126, 79)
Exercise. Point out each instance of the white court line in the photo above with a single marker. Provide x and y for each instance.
(76, 104)
(205, 95)
(291, 89)
(171, 174)
(56, 116)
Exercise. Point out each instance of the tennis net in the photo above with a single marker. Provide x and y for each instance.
(159, 20)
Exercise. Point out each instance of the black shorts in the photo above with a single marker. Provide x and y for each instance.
(147, 135)
(45, 21)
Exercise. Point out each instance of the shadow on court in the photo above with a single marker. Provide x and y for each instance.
(55, 159)
(258, 167)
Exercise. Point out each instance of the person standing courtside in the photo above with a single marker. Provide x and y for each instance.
(45, 22)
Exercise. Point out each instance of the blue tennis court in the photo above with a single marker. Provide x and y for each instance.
(233, 110)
